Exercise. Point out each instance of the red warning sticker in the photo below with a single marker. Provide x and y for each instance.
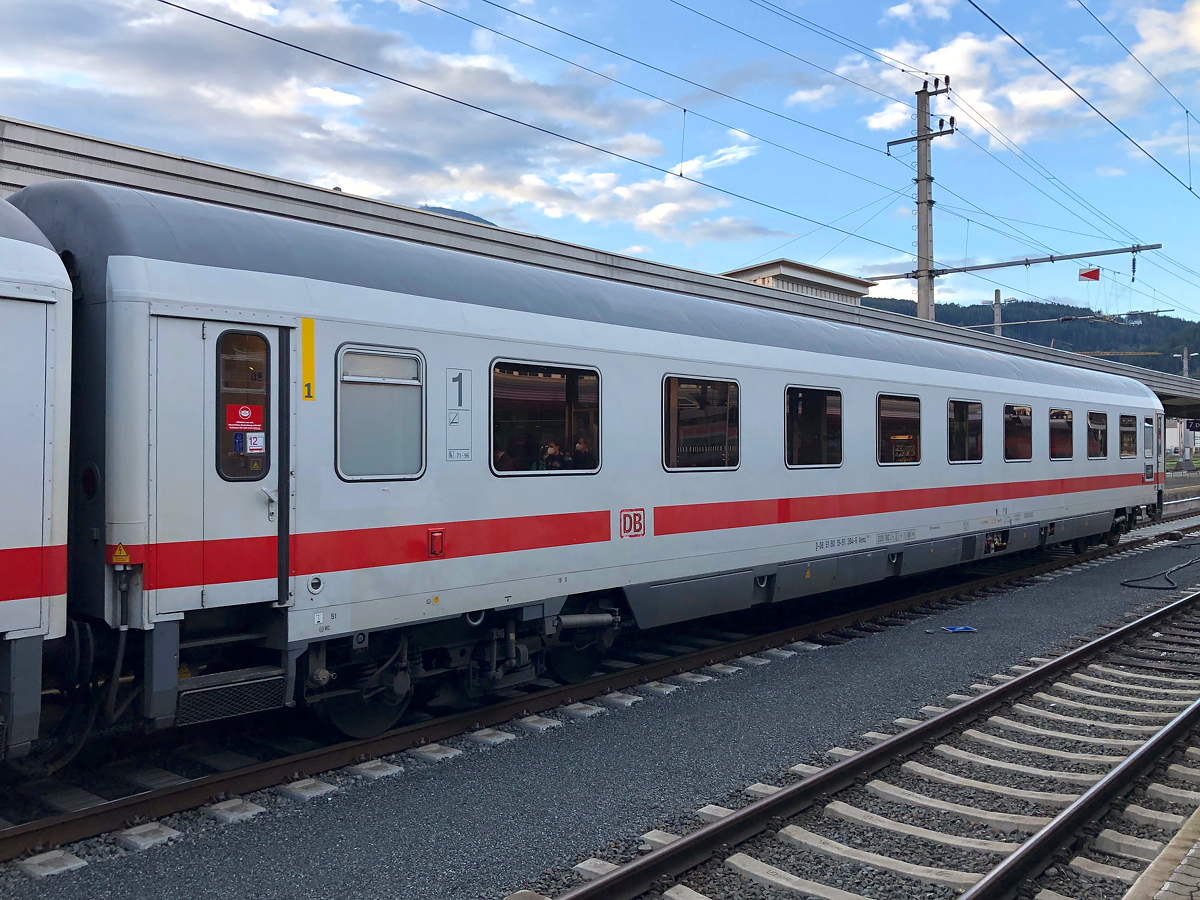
(243, 417)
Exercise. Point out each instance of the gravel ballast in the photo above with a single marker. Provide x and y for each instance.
(495, 820)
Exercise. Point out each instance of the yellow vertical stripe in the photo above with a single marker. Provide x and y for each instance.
(308, 361)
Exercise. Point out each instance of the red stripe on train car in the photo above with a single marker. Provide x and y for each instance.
(336, 551)
(695, 517)
(33, 572)
(191, 563)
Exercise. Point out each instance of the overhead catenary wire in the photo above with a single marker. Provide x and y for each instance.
(645, 93)
(514, 120)
(551, 133)
(789, 53)
(667, 72)
(995, 132)
(1084, 99)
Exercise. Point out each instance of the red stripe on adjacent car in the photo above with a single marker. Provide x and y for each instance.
(337, 551)
(33, 572)
(695, 517)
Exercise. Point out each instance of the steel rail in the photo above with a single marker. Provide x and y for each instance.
(1036, 852)
(636, 877)
(115, 814)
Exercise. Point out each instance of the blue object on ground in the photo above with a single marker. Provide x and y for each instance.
(954, 629)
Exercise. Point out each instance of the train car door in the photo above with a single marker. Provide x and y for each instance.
(220, 522)
(23, 443)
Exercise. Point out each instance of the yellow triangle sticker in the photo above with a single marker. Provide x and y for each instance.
(120, 556)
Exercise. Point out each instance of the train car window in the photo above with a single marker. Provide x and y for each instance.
(1062, 434)
(1097, 435)
(380, 415)
(964, 430)
(814, 427)
(1148, 436)
(243, 407)
(700, 424)
(1128, 433)
(545, 419)
(1018, 433)
(899, 430)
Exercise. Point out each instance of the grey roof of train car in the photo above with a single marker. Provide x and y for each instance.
(16, 226)
(98, 221)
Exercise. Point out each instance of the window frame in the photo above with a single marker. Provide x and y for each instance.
(1088, 427)
(879, 433)
(1004, 423)
(551, 364)
(1148, 451)
(1137, 426)
(423, 374)
(268, 407)
(786, 409)
(982, 433)
(1050, 435)
(662, 424)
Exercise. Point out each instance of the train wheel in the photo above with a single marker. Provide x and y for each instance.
(361, 716)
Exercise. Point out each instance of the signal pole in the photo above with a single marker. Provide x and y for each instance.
(924, 179)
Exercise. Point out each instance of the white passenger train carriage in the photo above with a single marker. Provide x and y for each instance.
(336, 468)
(35, 381)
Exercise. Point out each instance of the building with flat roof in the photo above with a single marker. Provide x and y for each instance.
(808, 281)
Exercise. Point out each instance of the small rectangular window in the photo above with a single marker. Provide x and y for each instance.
(1018, 433)
(814, 427)
(1097, 439)
(700, 424)
(1062, 434)
(243, 407)
(1128, 433)
(545, 419)
(1148, 437)
(899, 430)
(964, 429)
(380, 415)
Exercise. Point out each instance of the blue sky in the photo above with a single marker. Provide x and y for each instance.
(801, 127)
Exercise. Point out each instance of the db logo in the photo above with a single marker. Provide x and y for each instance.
(633, 523)
(244, 412)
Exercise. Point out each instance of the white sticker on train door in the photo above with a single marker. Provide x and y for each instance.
(458, 414)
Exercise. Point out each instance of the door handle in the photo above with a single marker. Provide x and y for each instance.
(272, 501)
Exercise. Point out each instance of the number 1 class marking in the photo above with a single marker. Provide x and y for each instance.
(458, 379)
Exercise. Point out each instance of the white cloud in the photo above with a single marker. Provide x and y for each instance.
(635, 250)
(166, 80)
(813, 95)
(330, 97)
(930, 9)
(1109, 172)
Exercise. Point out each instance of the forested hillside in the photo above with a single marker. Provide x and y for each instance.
(1164, 335)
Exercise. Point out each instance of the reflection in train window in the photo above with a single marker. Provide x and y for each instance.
(1018, 433)
(1128, 433)
(545, 419)
(964, 430)
(700, 424)
(1097, 435)
(899, 430)
(814, 427)
(1062, 434)
(1148, 436)
(243, 407)
(380, 415)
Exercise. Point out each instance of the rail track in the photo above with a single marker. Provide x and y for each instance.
(189, 780)
(997, 796)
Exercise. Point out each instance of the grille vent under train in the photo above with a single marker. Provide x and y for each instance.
(211, 697)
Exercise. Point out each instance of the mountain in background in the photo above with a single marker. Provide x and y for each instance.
(1161, 335)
